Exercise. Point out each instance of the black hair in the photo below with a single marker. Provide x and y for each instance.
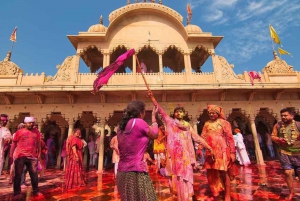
(113, 134)
(4, 115)
(291, 111)
(178, 108)
(133, 110)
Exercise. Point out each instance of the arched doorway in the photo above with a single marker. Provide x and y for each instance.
(127, 66)
(173, 60)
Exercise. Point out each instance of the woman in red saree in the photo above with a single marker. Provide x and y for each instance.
(74, 170)
(220, 167)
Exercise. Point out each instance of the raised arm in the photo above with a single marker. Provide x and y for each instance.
(199, 139)
(163, 114)
(153, 129)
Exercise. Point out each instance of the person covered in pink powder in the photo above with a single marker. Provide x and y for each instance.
(180, 152)
(133, 180)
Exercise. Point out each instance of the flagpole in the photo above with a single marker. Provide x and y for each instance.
(148, 88)
(12, 46)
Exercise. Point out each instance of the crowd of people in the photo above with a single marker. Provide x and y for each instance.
(177, 148)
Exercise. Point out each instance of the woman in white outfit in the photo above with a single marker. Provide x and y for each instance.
(241, 153)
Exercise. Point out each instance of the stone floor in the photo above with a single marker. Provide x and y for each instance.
(251, 184)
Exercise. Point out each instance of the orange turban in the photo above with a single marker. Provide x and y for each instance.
(237, 130)
(216, 109)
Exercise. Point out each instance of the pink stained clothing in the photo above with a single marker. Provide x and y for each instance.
(114, 146)
(180, 152)
(132, 143)
(28, 142)
(64, 149)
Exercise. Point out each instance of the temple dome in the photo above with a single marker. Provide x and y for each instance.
(98, 27)
(193, 29)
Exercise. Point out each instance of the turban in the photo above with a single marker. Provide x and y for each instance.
(237, 130)
(29, 119)
(216, 109)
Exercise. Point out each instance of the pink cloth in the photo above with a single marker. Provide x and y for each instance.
(107, 72)
(254, 75)
(132, 143)
(180, 155)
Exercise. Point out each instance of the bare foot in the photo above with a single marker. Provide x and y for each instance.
(290, 197)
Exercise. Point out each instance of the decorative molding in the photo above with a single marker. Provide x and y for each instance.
(158, 7)
(64, 71)
(140, 48)
(173, 47)
(278, 66)
(7, 67)
(226, 70)
(39, 98)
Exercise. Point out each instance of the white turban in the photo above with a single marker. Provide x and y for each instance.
(29, 119)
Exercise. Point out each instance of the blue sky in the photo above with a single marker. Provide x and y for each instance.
(43, 26)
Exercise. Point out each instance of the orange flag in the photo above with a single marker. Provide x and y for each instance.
(13, 36)
(189, 10)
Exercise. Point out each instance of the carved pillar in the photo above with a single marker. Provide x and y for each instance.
(107, 59)
(86, 151)
(258, 153)
(71, 125)
(160, 63)
(101, 149)
(60, 145)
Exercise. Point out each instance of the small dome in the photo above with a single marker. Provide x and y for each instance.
(97, 28)
(193, 29)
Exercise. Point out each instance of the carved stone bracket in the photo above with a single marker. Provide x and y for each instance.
(39, 98)
(278, 94)
(7, 98)
(71, 97)
(133, 96)
(251, 95)
(102, 98)
(193, 97)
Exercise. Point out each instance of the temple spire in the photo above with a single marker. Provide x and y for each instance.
(275, 55)
(101, 20)
(8, 55)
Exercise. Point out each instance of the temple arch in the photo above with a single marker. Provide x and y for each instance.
(173, 59)
(127, 67)
(149, 57)
(92, 57)
(198, 57)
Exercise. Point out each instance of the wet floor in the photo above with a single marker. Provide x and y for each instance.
(253, 183)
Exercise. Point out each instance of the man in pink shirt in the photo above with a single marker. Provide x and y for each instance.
(26, 149)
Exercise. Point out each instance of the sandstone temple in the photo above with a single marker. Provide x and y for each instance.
(161, 40)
